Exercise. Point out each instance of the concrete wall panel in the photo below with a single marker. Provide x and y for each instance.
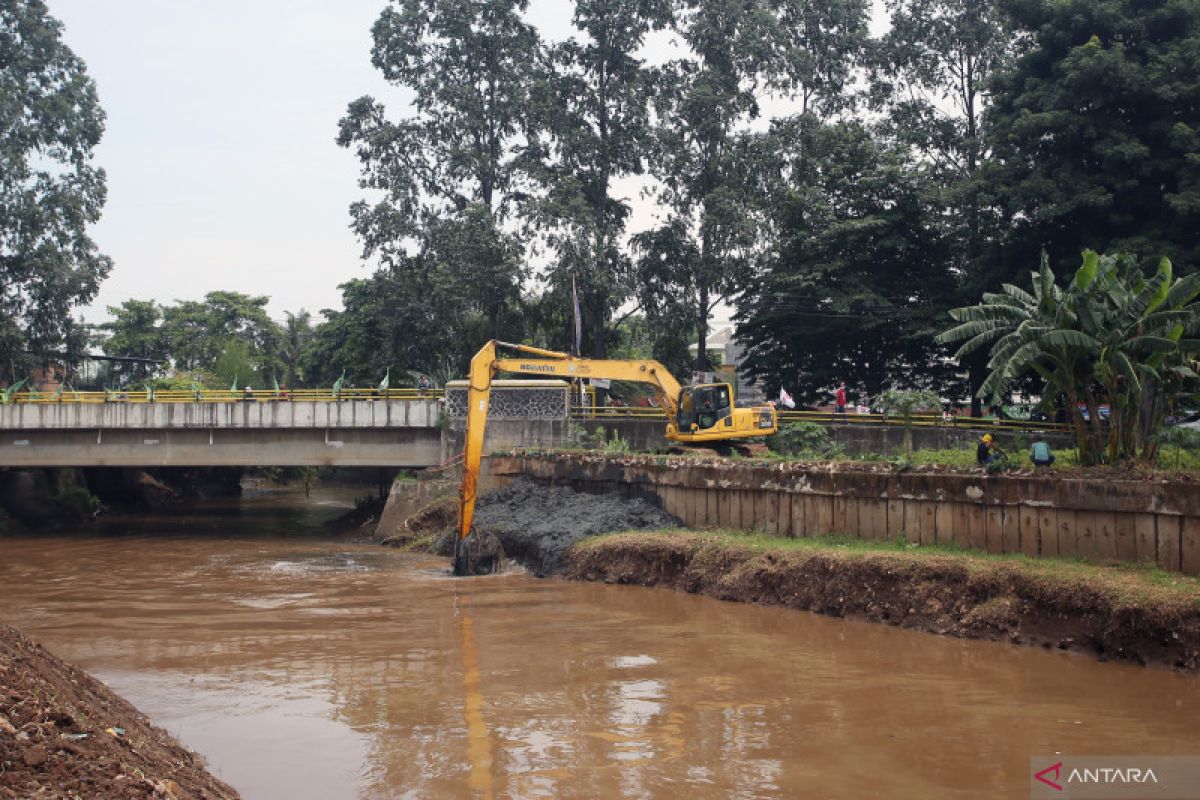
(1170, 540)
(1189, 555)
(1030, 537)
(1145, 528)
(1048, 531)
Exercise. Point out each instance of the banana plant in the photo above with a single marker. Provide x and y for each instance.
(1112, 334)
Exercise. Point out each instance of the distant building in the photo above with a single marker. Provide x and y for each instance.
(725, 351)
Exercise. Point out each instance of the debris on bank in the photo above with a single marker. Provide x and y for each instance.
(537, 524)
(65, 734)
(1101, 611)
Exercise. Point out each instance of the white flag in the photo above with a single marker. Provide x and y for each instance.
(785, 399)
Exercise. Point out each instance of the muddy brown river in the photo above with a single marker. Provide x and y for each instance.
(305, 667)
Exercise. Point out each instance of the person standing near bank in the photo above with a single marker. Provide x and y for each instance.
(840, 398)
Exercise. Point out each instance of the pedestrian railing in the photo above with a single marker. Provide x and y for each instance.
(71, 397)
(833, 418)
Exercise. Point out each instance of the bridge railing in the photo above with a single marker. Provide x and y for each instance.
(833, 418)
(70, 397)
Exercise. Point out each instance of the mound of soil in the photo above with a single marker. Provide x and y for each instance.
(422, 529)
(949, 595)
(537, 524)
(63, 734)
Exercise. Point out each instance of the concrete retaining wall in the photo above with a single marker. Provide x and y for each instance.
(1096, 519)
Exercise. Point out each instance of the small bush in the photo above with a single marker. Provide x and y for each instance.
(804, 440)
(77, 504)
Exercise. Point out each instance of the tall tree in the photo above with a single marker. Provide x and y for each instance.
(296, 335)
(1097, 128)
(50, 191)
(702, 158)
(198, 333)
(857, 283)
(595, 100)
(135, 331)
(398, 319)
(934, 73)
(458, 160)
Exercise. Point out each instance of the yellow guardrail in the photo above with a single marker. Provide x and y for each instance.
(70, 397)
(829, 417)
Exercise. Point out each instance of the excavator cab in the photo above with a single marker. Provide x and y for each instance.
(705, 407)
(707, 413)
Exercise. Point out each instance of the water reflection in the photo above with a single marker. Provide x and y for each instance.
(303, 667)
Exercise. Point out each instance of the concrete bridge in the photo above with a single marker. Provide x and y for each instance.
(364, 429)
(355, 432)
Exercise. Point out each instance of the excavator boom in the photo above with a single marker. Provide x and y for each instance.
(701, 414)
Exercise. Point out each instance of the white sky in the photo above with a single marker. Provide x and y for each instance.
(219, 147)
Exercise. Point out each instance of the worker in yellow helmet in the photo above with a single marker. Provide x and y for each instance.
(987, 452)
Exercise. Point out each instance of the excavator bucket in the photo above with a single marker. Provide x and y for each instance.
(478, 554)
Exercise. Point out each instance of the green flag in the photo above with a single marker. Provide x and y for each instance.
(58, 392)
(383, 384)
(234, 387)
(275, 380)
(149, 392)
(337, 385)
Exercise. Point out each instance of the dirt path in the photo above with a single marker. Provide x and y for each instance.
(64, 734)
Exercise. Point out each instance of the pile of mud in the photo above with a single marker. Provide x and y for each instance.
(537, 524)
(65, 734)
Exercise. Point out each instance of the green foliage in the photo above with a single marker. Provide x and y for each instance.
(594, 105)
(1113, 334)
(76, 504)
(135, 331)
(908, 403)
(226, 334)
(188, 380)
(805, 440)
(50, 191)
(703, 250)
(616, 444)
(860, 277)
(1096, 128)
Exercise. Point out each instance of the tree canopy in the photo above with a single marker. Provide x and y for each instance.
(50, 190)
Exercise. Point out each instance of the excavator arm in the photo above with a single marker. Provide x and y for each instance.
(487, 363)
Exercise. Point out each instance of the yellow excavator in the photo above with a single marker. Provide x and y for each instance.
(698, 414)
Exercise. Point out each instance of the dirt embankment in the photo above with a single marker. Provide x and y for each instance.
(1096, 613)
(537, 524)
(63, 734)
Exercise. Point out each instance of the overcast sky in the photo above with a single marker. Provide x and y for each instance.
(219, 146)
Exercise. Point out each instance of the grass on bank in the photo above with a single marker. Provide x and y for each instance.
(1125, 582)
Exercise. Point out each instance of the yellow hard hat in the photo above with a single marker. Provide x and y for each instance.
(987, 438)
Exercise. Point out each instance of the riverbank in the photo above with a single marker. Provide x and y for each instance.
(1143, 616)
(65, 734)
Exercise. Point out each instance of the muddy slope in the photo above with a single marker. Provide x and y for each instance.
(537, 524)
(63, 734)
(940, 594)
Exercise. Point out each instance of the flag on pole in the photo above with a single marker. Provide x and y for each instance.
(785, 399)
(233, 388)
(578, 321)
(337, 385)
(275, 380)
(383, 384)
